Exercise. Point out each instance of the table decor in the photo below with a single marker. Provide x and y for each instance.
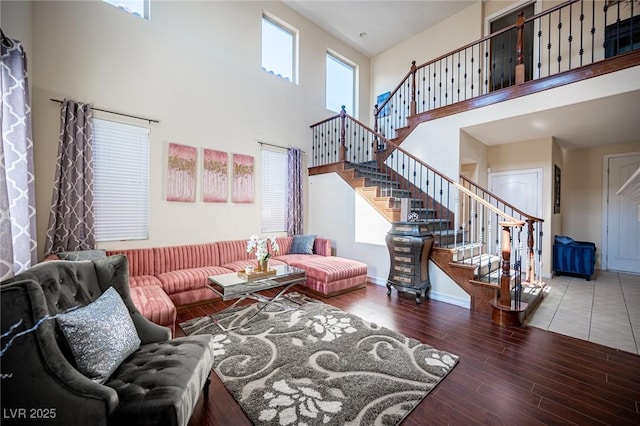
(259, 246)
(256, 275)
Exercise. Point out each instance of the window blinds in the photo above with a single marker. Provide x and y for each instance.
(121, 181)
(274, 191)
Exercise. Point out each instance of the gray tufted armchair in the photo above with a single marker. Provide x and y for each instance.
(159, 384)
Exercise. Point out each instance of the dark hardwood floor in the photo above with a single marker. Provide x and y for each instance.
(505, 375)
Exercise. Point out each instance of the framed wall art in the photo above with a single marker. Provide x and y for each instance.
(181, 173)
(215, 176)
(556, 189)
(243, 178)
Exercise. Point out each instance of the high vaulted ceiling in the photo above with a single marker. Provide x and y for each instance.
(371, 27)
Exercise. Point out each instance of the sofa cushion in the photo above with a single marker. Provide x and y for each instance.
(141, 261)
(162, 381)
(331, 268)
(230, 251)
(143, 280)
(175, 258)
(189, 279)
(290, 259)
(101, 335)
(302, 244)
(154, 304)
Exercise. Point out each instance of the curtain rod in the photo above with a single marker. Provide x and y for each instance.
(276, 146)
(150, 120)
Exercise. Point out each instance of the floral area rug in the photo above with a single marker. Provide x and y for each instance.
(314, 364)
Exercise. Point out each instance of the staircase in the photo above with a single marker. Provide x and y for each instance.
(468, 263)
(487, 246)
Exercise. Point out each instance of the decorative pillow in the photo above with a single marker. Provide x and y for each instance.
(82, 255)
(302, 244)
(101, 335)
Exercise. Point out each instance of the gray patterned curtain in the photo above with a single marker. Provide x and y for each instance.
(295, 220)
(17, 194)
(71, 214)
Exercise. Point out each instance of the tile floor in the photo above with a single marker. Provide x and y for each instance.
(605, 310)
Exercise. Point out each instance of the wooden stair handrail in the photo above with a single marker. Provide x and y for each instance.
(325, 120)
(532, 218)
(509, 219)
(455, 184)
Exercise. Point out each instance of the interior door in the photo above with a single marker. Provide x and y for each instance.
(522, 189)
(623, 218)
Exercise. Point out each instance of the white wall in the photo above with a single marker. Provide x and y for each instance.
(196, 67)
(582, 192)
(388, 68)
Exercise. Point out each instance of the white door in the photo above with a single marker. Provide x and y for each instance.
(520, 188)
(623, 223)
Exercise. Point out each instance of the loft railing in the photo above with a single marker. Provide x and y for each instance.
(465, 216)
(565, 37)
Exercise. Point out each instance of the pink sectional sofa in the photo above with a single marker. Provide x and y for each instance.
(162, 278)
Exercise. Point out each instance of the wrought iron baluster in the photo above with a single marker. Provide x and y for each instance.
(549, 49)
(458, 91)
(559, 39)
(539, 48)
(581, 52)
(570, 39)
(593, 29)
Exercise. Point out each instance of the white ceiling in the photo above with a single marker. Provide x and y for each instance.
(386, 23)
(605, 121)
(371, 27)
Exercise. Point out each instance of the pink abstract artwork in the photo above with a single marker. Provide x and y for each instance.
(181, 173)
(242, 178)
(215, 176)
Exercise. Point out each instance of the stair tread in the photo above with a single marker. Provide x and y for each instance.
(480, 258)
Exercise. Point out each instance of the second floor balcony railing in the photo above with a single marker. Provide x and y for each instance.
(568, 36)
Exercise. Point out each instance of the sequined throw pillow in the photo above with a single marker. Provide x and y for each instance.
(101, 335)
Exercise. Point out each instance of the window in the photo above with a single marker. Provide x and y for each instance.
(274, 191)
(341, 79)
(621, 37)
(135, 7)
(278, 49)
(121, 181)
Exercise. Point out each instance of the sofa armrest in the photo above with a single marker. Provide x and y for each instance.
(322, 246)
(35, 372)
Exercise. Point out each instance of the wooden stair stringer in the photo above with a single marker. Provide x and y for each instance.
(370, 193)
(482, 293)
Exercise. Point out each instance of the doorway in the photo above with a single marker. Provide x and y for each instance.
(522, 189)
(503, 47)
(621, 233)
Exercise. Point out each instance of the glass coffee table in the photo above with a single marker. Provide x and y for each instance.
(232, 286)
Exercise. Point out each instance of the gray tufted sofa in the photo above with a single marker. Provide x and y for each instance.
(159, 384)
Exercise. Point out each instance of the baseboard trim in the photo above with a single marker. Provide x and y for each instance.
(434, 295)
(463, 303)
